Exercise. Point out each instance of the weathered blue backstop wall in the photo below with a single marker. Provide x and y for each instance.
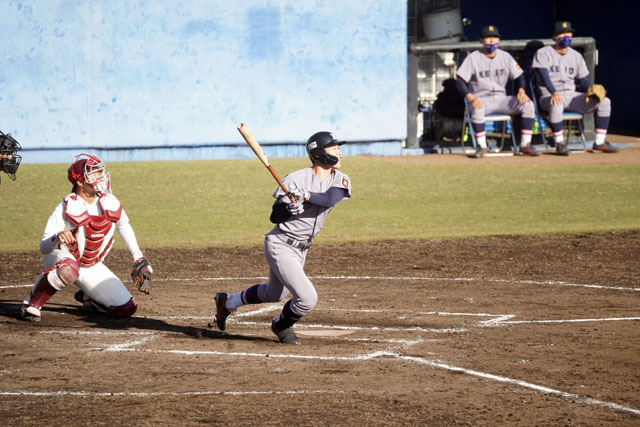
(114, 73)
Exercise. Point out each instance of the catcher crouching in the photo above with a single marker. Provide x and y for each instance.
(77, 238)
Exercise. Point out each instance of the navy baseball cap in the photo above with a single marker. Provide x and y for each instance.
(489, 31)
(562, 27)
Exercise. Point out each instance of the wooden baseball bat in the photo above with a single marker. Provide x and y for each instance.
(255, 146)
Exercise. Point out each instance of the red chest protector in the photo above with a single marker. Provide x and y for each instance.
(93, 233)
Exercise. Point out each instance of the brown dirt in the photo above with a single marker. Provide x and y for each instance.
(422, 348)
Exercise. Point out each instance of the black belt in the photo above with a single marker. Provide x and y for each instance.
(299, 244)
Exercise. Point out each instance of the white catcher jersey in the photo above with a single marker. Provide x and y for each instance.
(563, 69)
(489, 76)
(307, 225)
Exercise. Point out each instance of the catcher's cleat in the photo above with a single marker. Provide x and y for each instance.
(221, 311)
(28, 313)
(286, 336)
(480, 152)
(529, 150)
(605, 148)
(562, 149)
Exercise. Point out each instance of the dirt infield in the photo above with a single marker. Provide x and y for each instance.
(484, 331)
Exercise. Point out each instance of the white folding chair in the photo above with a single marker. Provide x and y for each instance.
(572, 124)
(496, 149)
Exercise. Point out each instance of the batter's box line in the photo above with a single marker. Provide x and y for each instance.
(414, 359)
(431, 279)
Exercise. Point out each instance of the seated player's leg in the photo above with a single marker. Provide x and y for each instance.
(602, 115)
(63, 273)
(555, 123)
(510, 105)
(104, 291)
(479, 128)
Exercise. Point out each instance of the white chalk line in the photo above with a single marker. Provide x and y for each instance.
(604, 319)
(160, 393)
(432, 279)
(420, 360)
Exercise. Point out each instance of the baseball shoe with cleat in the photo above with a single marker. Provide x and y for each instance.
(221, 311)
(286, 336)
(29, 313)
(480, 152)
(607, 147)
(562, 149)
(529, 150)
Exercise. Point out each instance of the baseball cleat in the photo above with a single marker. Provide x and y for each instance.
(480, 152)
(221, 311)
(286, 336)
(562, 149)
(31, 314)
(529, 150)
(605, 148)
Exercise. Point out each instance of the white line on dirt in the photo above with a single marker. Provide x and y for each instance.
(160, 393)
(604, 319)
(427, 362)
(432, 279)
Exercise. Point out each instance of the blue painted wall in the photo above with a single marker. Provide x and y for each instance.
(110, 73)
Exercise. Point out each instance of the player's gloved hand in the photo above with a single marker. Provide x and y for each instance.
(141, 275)
(298, 193)
(295, 208)
(596, 92)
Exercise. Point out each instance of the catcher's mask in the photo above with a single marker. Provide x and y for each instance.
(9, 159)
(91, 170)
(316, 145)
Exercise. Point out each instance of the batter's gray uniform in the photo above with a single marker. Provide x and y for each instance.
(487, 78)
(564, 70)
(286, 246)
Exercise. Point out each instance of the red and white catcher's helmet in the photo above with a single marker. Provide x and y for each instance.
(92, 170)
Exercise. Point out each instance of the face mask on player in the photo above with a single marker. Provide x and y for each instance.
(490, 48)
(564, 41)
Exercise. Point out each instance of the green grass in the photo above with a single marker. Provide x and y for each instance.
(227, 203)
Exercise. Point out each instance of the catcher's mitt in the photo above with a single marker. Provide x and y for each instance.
(141, 275)
(596, 91)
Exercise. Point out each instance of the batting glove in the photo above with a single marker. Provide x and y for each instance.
(295, 208)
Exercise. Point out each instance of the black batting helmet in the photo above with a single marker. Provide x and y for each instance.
(316, 145)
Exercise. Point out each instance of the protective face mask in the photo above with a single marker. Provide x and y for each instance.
(490, 48)
(564, 42)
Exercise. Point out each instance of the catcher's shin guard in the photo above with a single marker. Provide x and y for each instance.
(41, 292)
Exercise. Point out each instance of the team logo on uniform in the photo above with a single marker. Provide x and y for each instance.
(345, 182)
(517, 66)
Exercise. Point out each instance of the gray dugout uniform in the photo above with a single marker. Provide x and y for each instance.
(286, 246)
(487, 79)
(564, 70)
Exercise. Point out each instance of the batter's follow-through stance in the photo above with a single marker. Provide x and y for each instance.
(77, 238)
(315, 191)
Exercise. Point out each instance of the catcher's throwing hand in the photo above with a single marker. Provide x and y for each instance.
(596, 91)
(141, 275)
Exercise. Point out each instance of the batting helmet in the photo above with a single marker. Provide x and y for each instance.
(91, 170)
(9, 160)
(316, 145)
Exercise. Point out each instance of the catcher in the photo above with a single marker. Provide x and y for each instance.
(77, 238)
(557, 69)
(9, 160)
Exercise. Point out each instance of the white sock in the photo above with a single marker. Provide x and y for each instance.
(525, 139)
(558, 137)
(601, 134)
(234, 301)
(481, 139)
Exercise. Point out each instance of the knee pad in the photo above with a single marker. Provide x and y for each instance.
(65, 272)
(124, 310)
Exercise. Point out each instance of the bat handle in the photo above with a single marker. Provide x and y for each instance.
(281, 184)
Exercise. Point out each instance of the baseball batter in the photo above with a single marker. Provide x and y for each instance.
(315, 190)
(482, 78)
(9, 160)
(557, 70)
(78, 237)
